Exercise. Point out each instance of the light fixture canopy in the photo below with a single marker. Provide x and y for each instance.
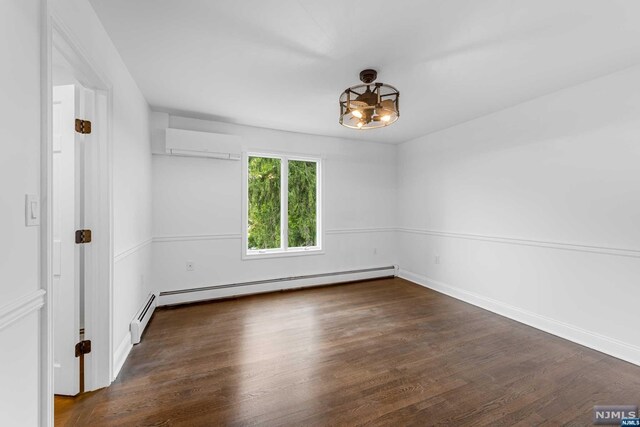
(369, 105)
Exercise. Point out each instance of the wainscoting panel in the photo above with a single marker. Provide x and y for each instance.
(21, 307)
(579, 247)
(276, 284)
(217, 260)
(583, 295)
(132, 284)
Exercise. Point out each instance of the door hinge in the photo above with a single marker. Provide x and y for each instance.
(83, 236)
(83, 347)
(83, 126)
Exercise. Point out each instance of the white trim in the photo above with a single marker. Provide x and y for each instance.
(21, 307)
(99, 295)
(263, 286)
(121, 354)
(99, 300)
(610, 346)
(283, 250)
(362, 230)
(605, 250)
(579, 247)
(89, 75)
(193, 237)
(233, 236)
(279, 253)
(122, 255)
(45, 377)
(284, 210)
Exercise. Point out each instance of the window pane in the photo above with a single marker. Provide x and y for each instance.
(302, 204)
(264, 203)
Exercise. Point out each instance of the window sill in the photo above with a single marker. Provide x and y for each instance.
(282, 254)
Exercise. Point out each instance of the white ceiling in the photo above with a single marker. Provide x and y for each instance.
(282, 64)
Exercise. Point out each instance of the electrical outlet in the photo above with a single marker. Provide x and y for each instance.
(437, 259)
(190, 266)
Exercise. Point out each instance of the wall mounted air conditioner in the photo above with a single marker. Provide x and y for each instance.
(189, 143)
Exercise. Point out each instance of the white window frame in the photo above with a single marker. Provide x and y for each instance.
(284, 250)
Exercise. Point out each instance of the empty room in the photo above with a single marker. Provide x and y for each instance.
(320, 213)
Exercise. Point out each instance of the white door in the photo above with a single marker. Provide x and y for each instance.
(66, 253)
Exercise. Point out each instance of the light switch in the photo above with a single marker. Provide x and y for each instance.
(32, 210)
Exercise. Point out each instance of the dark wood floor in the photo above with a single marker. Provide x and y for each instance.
(384, 352)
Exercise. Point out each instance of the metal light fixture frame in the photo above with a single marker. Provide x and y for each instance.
(365, 106)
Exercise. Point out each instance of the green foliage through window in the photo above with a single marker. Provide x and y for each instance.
(302, 204)
(264, 204)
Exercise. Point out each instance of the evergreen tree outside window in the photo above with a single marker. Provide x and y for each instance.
(264, 203)
(282, 205)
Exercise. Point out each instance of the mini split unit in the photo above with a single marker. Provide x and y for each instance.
(188, 143)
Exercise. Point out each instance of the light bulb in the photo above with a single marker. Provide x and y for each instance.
(385, 118)
(357, 113)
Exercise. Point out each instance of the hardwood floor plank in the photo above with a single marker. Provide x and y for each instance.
(384, 352)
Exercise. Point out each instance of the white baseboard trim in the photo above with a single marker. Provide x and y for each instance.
(21, 307)
(610, 346)
(184, 296)
(121, 354)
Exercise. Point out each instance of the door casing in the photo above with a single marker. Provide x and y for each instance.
(99, 211)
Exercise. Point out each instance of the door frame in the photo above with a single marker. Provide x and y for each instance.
(99, 367)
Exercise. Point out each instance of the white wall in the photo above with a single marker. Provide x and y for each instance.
(21, 296)
(19, 246)
(534, 212)
(197, 208)
(131, 165)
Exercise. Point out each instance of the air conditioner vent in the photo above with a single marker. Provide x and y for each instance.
(189, 143)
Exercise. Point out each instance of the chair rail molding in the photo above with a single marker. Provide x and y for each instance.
(21, 307)
(235, 236)
(122, 255)
(361, 230)
(194, 237)
(567, 246)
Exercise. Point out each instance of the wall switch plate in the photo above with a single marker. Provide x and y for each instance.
(190, 266)
(31, 210)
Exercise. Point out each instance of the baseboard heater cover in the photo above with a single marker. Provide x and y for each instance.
(361, 274)
(142, 319)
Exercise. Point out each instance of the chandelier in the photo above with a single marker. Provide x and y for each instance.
(369, 105)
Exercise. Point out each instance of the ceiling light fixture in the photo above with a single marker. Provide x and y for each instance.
(369, 105)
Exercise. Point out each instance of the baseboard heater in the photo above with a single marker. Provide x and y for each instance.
(142, 319)
(183, 296)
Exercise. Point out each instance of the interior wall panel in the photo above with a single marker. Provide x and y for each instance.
(197, 209)
(535, 209)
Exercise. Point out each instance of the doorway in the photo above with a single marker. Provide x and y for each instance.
(72, 118)
(78, 240)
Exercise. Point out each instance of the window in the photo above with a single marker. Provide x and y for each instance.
(282, 205)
